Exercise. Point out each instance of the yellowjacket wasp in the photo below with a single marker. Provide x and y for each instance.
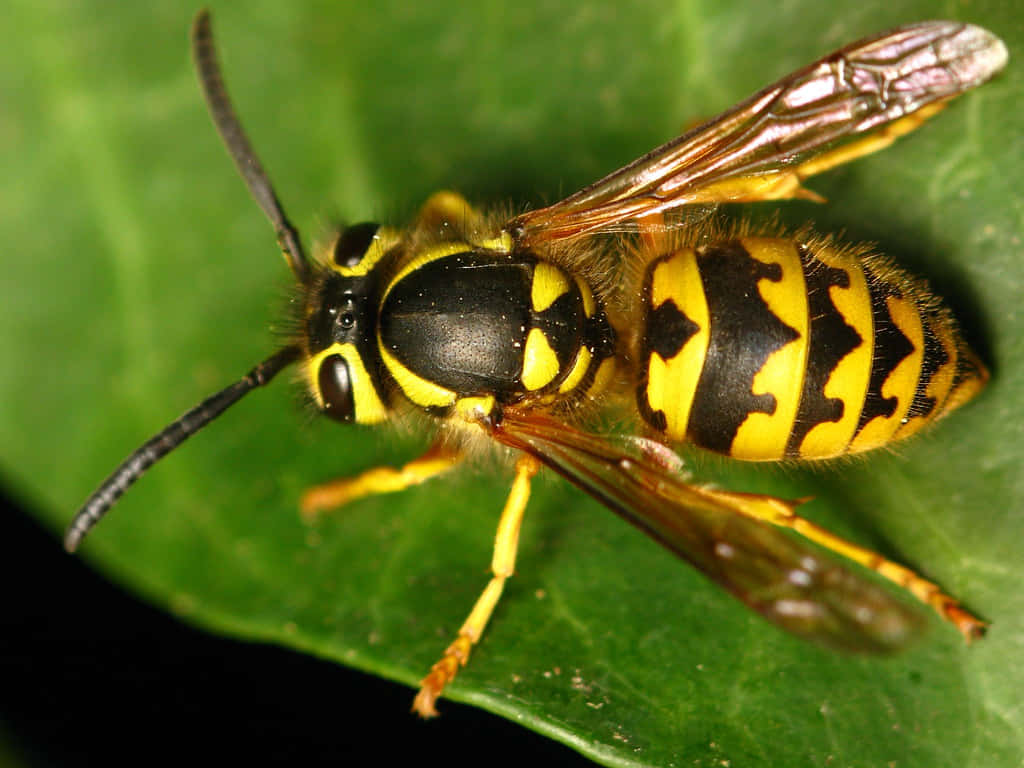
(752, 343)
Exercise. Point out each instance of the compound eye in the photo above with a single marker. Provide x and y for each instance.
(335, 385)
(353, 243)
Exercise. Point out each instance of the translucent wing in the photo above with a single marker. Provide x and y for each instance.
(850, 103)
(787, 580)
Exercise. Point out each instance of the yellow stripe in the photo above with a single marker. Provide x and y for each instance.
(434, 253)
(503, 243)
(589, 305)
(549, 282)
(671, 384)
(901, 383)
(418, 390)
(763, 436)
(849, 381)
(579, 370)
(540, 364)
(603, 377)
(421, 392)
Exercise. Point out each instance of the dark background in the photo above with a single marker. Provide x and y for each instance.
(91, 675)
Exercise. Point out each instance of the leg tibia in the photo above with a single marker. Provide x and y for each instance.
(436, 461)
(506, 542)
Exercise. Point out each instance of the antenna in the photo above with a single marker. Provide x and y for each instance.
(229, 127)
(169, 438)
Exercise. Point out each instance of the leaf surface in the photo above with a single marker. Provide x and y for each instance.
(140, 278)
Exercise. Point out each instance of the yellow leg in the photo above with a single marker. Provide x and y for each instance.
(503, 563)
(780, 513)
(436, 461)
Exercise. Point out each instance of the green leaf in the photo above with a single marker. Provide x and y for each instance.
(140, 277)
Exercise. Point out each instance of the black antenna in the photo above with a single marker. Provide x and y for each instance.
(174, 434)
(169, 438)
(230, 129)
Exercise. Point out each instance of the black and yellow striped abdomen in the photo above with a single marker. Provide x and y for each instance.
(765, 348)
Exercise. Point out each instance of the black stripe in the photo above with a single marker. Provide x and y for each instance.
(744, 333)
(891, 348)
(831, 340)
(656, 418)
(935, 357)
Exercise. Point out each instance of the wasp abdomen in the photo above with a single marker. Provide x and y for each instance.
(483, 322)
(765, 348)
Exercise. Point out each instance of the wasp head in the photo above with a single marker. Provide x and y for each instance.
(343, 366)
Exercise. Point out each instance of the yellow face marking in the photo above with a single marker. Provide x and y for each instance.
(763, 436)
(549, 282)
(579, 370)
(849, 381)
(383, 240)
(540, 365)
(671, 384)
(901, 383)
(421, 392)
(369, 408)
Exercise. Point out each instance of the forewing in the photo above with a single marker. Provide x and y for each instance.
(850, 103)
(784, 578)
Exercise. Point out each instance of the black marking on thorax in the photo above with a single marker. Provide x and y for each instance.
(744, 333)
(462, 321)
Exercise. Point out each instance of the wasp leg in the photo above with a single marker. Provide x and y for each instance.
(503, 562)
(779, 512)
(436, 461)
